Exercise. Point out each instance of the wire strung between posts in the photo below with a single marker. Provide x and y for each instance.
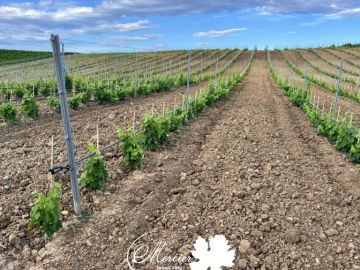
(66, 168)
(103, 149)
(351, 130)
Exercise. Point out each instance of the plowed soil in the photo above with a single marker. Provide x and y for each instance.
(251, 168)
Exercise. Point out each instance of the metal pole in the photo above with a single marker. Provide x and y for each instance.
(188, 82)
(62, 56)
(60, 75)
(216, 74)
(136, 74)
(170, 67)
(336, 102)
(305, 77)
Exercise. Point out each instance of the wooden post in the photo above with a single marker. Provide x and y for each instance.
(338, 114)
(331, 105)
(51, 158)
(133, 125)
(97, 139)
(164, 108)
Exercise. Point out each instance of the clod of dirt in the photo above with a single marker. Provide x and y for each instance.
(13, 239)
(292, 236)
(254, 261)
(244, 246)
(331, 232)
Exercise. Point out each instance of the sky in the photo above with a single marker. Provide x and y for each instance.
(147, 25)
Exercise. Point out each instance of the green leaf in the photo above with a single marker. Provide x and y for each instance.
(46, 210)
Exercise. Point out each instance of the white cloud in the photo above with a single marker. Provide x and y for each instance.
(12, 12)
(72, 13)
(350, 12)
(116, 40)
(215, 33)
(114, 27)
(28, 18)
(220, 16)
(166, 7)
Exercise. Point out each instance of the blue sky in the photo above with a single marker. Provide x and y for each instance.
(117, 25)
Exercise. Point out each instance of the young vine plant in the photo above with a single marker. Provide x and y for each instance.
(8, 112)
(46, 210)
(132, 147)
(95, 174)
(29, 106)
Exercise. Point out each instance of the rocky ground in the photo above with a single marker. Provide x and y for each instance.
(250, 168)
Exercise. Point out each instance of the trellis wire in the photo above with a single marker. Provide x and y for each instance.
(66, 167)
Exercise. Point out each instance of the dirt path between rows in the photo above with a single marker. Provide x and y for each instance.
(251, 168)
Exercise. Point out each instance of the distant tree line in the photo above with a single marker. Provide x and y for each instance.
(347, 45)
(19, 56)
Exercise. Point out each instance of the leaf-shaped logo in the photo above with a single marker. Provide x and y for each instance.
(216, 254)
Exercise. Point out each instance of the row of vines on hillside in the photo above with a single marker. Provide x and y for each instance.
(155, 130)
(341, 132)
(114, 91)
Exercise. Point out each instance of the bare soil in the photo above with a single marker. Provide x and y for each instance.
(251, 168)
